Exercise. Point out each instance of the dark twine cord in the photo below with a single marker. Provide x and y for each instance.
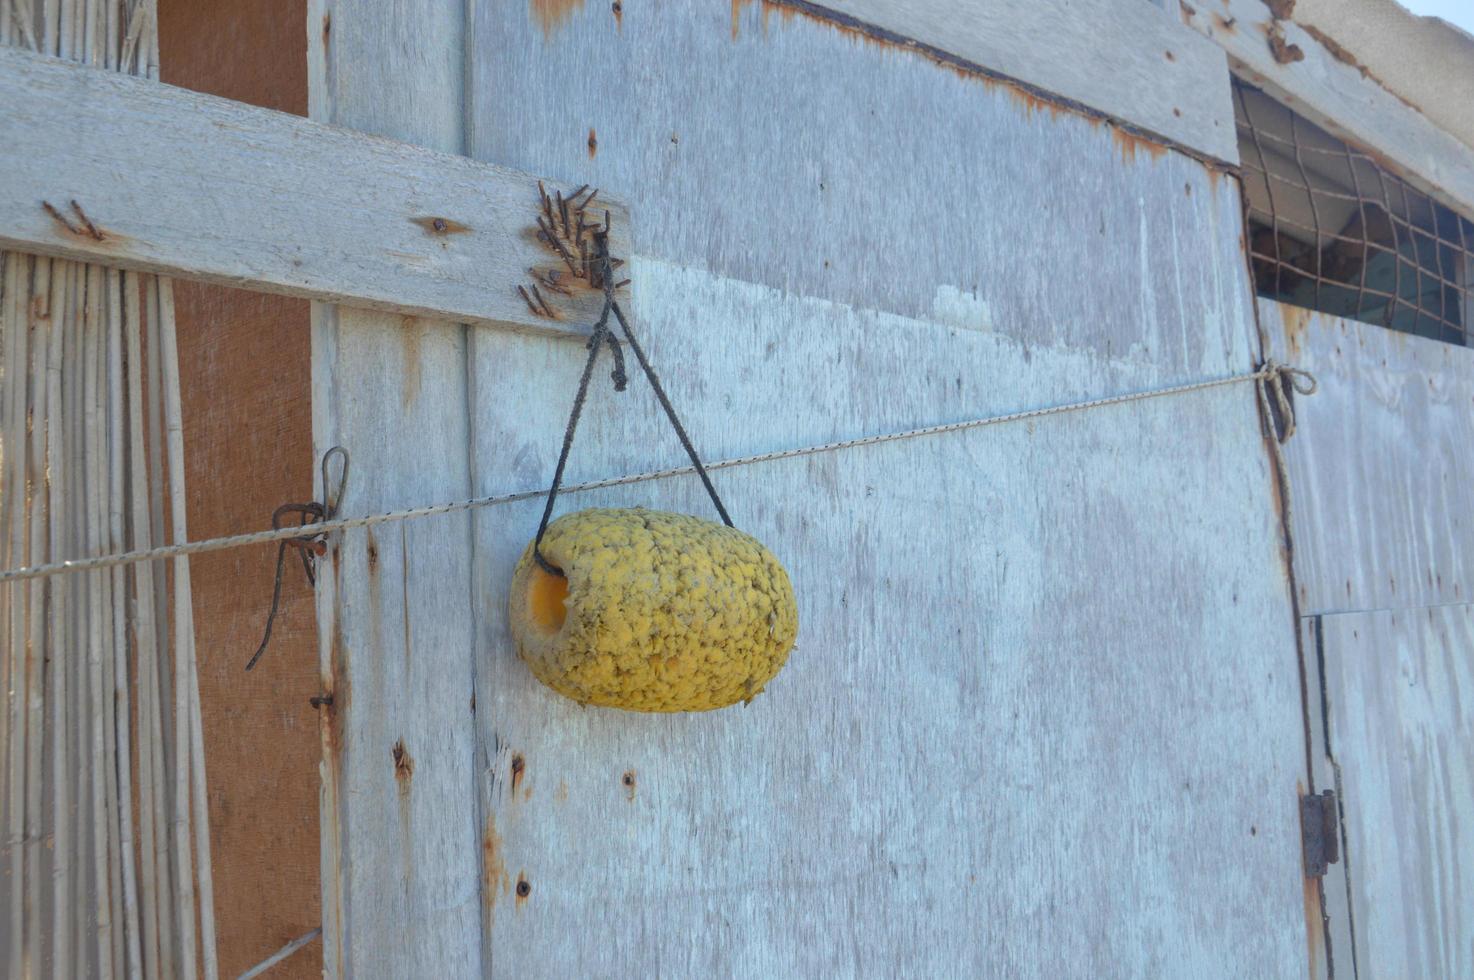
(310, 546)
(601, 336)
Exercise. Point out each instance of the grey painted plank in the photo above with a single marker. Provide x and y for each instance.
(1017, 710)
(1380, 465)
(1118, 58)
(1027, 659)
(401, 886)
(1401, 733)
(799, 156)
(191, 185)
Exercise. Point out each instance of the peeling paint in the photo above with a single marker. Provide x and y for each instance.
(1129, 144)
(1029, 98)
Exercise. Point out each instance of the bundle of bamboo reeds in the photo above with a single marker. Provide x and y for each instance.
(103, 807)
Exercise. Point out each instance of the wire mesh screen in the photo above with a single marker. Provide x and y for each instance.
(1332, 230)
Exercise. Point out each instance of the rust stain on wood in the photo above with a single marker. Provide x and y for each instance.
(1295, 320)
(1031, 99)
(1130, 144)
(593, 143)
(550, 14)
(519, 766)
(524, 889)
(404, 765)
(440, 226)
(629, 783)
(494, 879)
(410, 360)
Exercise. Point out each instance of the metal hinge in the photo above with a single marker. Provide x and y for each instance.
(1319, 836)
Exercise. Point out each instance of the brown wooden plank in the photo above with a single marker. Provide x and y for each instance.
(244, 375)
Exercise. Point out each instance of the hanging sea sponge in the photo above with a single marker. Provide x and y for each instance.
(657, 612)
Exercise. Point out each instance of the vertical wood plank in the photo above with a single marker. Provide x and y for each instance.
(1380, 464)
(1013, 737)
(1400, 736)
(400, 848)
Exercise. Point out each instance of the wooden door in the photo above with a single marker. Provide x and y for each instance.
(1379, 471)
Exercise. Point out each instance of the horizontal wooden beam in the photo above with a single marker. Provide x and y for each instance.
(1327, 87)
(1123, 60)
(127, 172)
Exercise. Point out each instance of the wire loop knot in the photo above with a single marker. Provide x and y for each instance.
(309, 546)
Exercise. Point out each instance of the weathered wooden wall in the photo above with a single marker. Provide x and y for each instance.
(1379, 470)
(1013, 738)
(401, 852)
(1400, 731)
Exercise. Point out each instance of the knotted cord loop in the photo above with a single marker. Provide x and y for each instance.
(1280, 382)
(602, 335)
(310, 546)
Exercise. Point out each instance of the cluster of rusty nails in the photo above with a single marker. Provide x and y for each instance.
(88, 228)
(563, 226)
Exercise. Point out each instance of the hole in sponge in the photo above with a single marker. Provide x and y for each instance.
(545, 597)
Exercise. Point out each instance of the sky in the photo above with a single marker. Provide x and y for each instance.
(1460, 12)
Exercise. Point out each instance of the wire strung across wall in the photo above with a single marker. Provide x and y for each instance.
(1275, 381)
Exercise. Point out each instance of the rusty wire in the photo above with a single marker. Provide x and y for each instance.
(1396, 257)
(309, 546)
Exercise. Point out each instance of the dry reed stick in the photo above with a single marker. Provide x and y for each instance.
(36, 612)
(18, 349)
(161, 690)
(189, 717)
(92, 460)
(150, 731)
(17, 375)
(73, 443)
(62, 488)
(7, 379)
(113, 633)
(117, 534)
(183, 858)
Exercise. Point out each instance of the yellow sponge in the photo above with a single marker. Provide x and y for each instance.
(658, 611)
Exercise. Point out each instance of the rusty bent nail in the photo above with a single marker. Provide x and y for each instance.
(528, 300)
(321, 700)
(547, 310)
(91, 228)
(46, 205)
(307, 544)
